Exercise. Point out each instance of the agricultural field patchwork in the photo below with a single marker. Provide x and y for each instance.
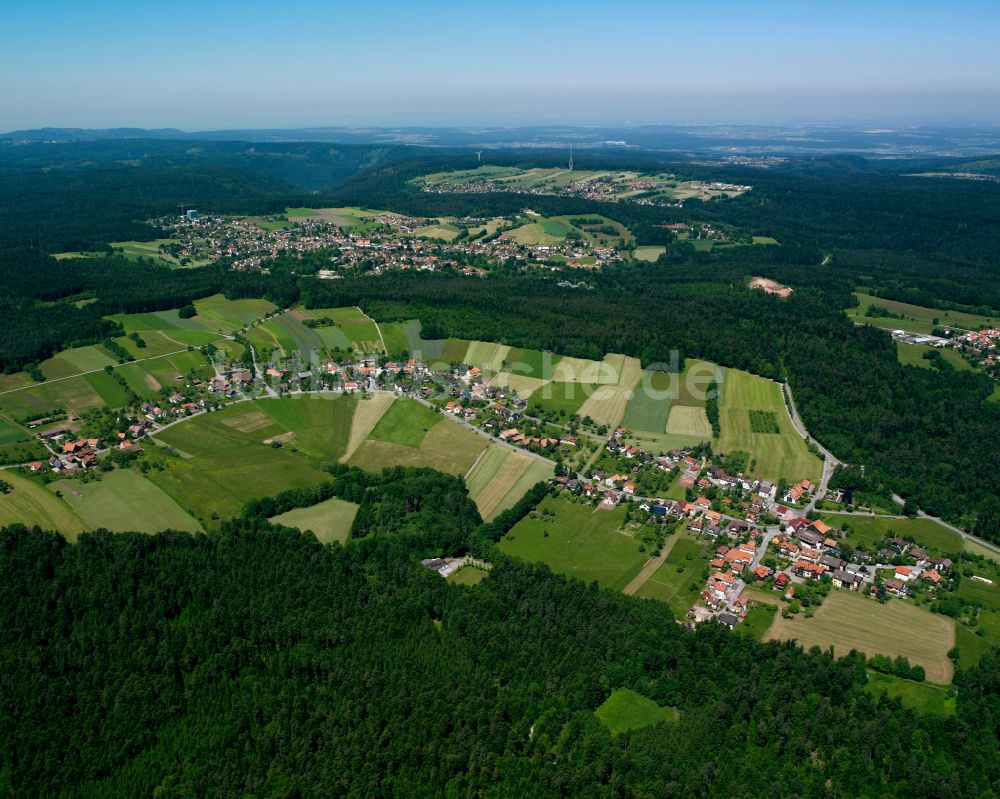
(781, 454)
(501, 477)
(447, 446)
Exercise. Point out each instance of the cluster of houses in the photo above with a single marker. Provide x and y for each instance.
(630, 187)
(983, 345)
(389, 242)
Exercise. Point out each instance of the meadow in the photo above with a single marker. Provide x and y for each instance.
(329, 521)
(578, 541)
(913, 355)
(679, 580)
(922, 697)
(847, 621)
(935, 538)
(410, 434)
(777, 455)
(225, 461)
(915, 318)
(123, 500)
(30, 504)
(627, 710)
(501, 476)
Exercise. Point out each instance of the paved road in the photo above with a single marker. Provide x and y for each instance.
(829, 461)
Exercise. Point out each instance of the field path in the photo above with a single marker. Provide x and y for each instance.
(650, 568)
(379, 329)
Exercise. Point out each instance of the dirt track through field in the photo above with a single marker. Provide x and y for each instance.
(366, 415)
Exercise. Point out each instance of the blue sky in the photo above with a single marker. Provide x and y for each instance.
(210, 64)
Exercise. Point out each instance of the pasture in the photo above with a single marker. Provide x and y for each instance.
(577, 541)
(980, 593)
(679, 579)
(30, 504)
(397, 343)
(532, 363)
(523, 385)
(847, 621)
(124, 501)
(76, 361)
(581, 370)
(777, 455)
(455, 350)
(329, 521)
(648, 253)
(351, 326)
(429, 350)
(649, 408)
(486, 356)
(627, 710)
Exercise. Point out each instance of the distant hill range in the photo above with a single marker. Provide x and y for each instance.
(718, 140)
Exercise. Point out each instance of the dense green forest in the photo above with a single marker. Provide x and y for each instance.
(258, 662)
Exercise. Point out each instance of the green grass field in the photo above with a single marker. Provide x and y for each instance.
(579, 542)
(397, 342)
(678, 581)
(913, 355)
(228, 463)
(454, 350)
(758, 621)
(406, 422)
(429, 350)
(777, 455)
(329, 521)
(11, 433)
(353, 329)
(648, 253)
(935, 538)
(847, 621)
(220, 315)
(122, 501)
(75, 361)
(627, 710)
(923, 697)
(985, 595)
(916, 318)
(486, 469)
(30, 504)
(532, 363)
(447, 446)
(468, 575)
(649, 408)
(565, 397)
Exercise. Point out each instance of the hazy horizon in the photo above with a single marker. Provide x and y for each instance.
(200, 67)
